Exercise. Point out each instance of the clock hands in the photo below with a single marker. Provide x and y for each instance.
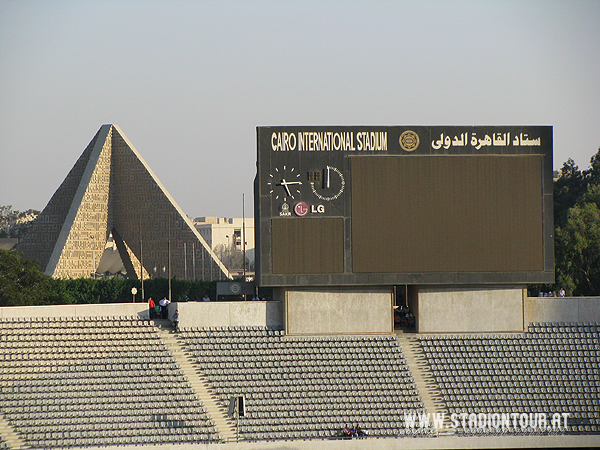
(285, 184)
(333, 184)
(326, 185)
(284, 174)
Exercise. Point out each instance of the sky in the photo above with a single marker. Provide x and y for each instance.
(188, 81)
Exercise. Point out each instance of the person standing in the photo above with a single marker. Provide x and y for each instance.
(205, 298)
(151, 306)
(176, 321)
(164, 308)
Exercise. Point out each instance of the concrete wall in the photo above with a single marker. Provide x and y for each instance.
(95, 310)
(439, 310)
(228, 314)
(192, 314)
(339, 311)
(557, 309)
(468, 309)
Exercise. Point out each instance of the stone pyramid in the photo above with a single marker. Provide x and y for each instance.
(111, 189)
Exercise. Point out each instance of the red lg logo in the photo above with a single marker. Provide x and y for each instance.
(301, 209)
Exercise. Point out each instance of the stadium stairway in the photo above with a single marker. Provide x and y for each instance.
(218, 413)
(425, 381)
(8, 435)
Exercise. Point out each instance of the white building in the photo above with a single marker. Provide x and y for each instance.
(227, 233)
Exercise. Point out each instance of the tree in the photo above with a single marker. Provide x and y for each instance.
(568, 188)
(578, 246)
(22, 283)
(231, 257)
(593, 173)
(16, 224)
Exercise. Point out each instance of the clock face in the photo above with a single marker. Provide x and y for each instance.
(330, 185)
(284, 183)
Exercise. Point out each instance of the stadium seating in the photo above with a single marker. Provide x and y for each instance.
(105, 381)
(552, 368)
(95, 381)
(307, 387)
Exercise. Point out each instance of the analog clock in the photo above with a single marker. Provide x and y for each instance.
(331, 185)
(285, 183)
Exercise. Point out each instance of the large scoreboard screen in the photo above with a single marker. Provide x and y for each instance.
(343, 206)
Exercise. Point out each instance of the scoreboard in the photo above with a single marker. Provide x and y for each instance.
(366, 205)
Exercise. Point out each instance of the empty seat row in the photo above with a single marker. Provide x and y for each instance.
(550, 368)
(296, 385)
(84, 386)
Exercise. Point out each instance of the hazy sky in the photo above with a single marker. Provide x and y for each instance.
(188, 82)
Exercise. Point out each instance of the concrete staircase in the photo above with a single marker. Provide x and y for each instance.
(432, 397)
(213, 405)
(10, 436)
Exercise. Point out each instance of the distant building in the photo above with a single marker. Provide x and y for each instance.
(226, 231)
(226, 234)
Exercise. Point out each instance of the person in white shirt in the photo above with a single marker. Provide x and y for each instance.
(164, 307)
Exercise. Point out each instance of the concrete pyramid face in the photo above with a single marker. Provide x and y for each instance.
(111, 189)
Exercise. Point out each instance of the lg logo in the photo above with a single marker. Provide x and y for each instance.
(301, 209)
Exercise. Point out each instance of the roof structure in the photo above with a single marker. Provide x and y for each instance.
(111, 190)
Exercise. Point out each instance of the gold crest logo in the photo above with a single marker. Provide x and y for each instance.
(409, 141)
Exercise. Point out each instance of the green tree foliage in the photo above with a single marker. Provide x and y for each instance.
(118, 290)
(578, 246)
(181, 290)
(577, 228)
(22, 283)
(568, 188)
(15, 224)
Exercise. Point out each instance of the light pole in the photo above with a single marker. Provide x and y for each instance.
(141, 258)
(93, 255)
(244, 233)
(194, 261)
(225, 255)
(170, 258)
(142, 267)
(184, 261)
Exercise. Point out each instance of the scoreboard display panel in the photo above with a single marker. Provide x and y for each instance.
(344, 206)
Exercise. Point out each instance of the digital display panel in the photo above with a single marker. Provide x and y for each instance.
(344, 206)
(447, 214)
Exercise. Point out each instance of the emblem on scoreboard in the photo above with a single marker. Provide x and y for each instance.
(284, 210)
(409, 141)
(235, 288)
(301, 209)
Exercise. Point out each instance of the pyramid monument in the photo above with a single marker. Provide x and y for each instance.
(111, 191)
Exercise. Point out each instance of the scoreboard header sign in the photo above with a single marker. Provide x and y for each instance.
(403, 205)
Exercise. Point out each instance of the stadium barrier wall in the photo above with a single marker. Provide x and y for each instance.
(474, 310)
(562, 309)
(88, 310)
(228, 314)
(450, 309)
(339, 311)
(192, 314)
